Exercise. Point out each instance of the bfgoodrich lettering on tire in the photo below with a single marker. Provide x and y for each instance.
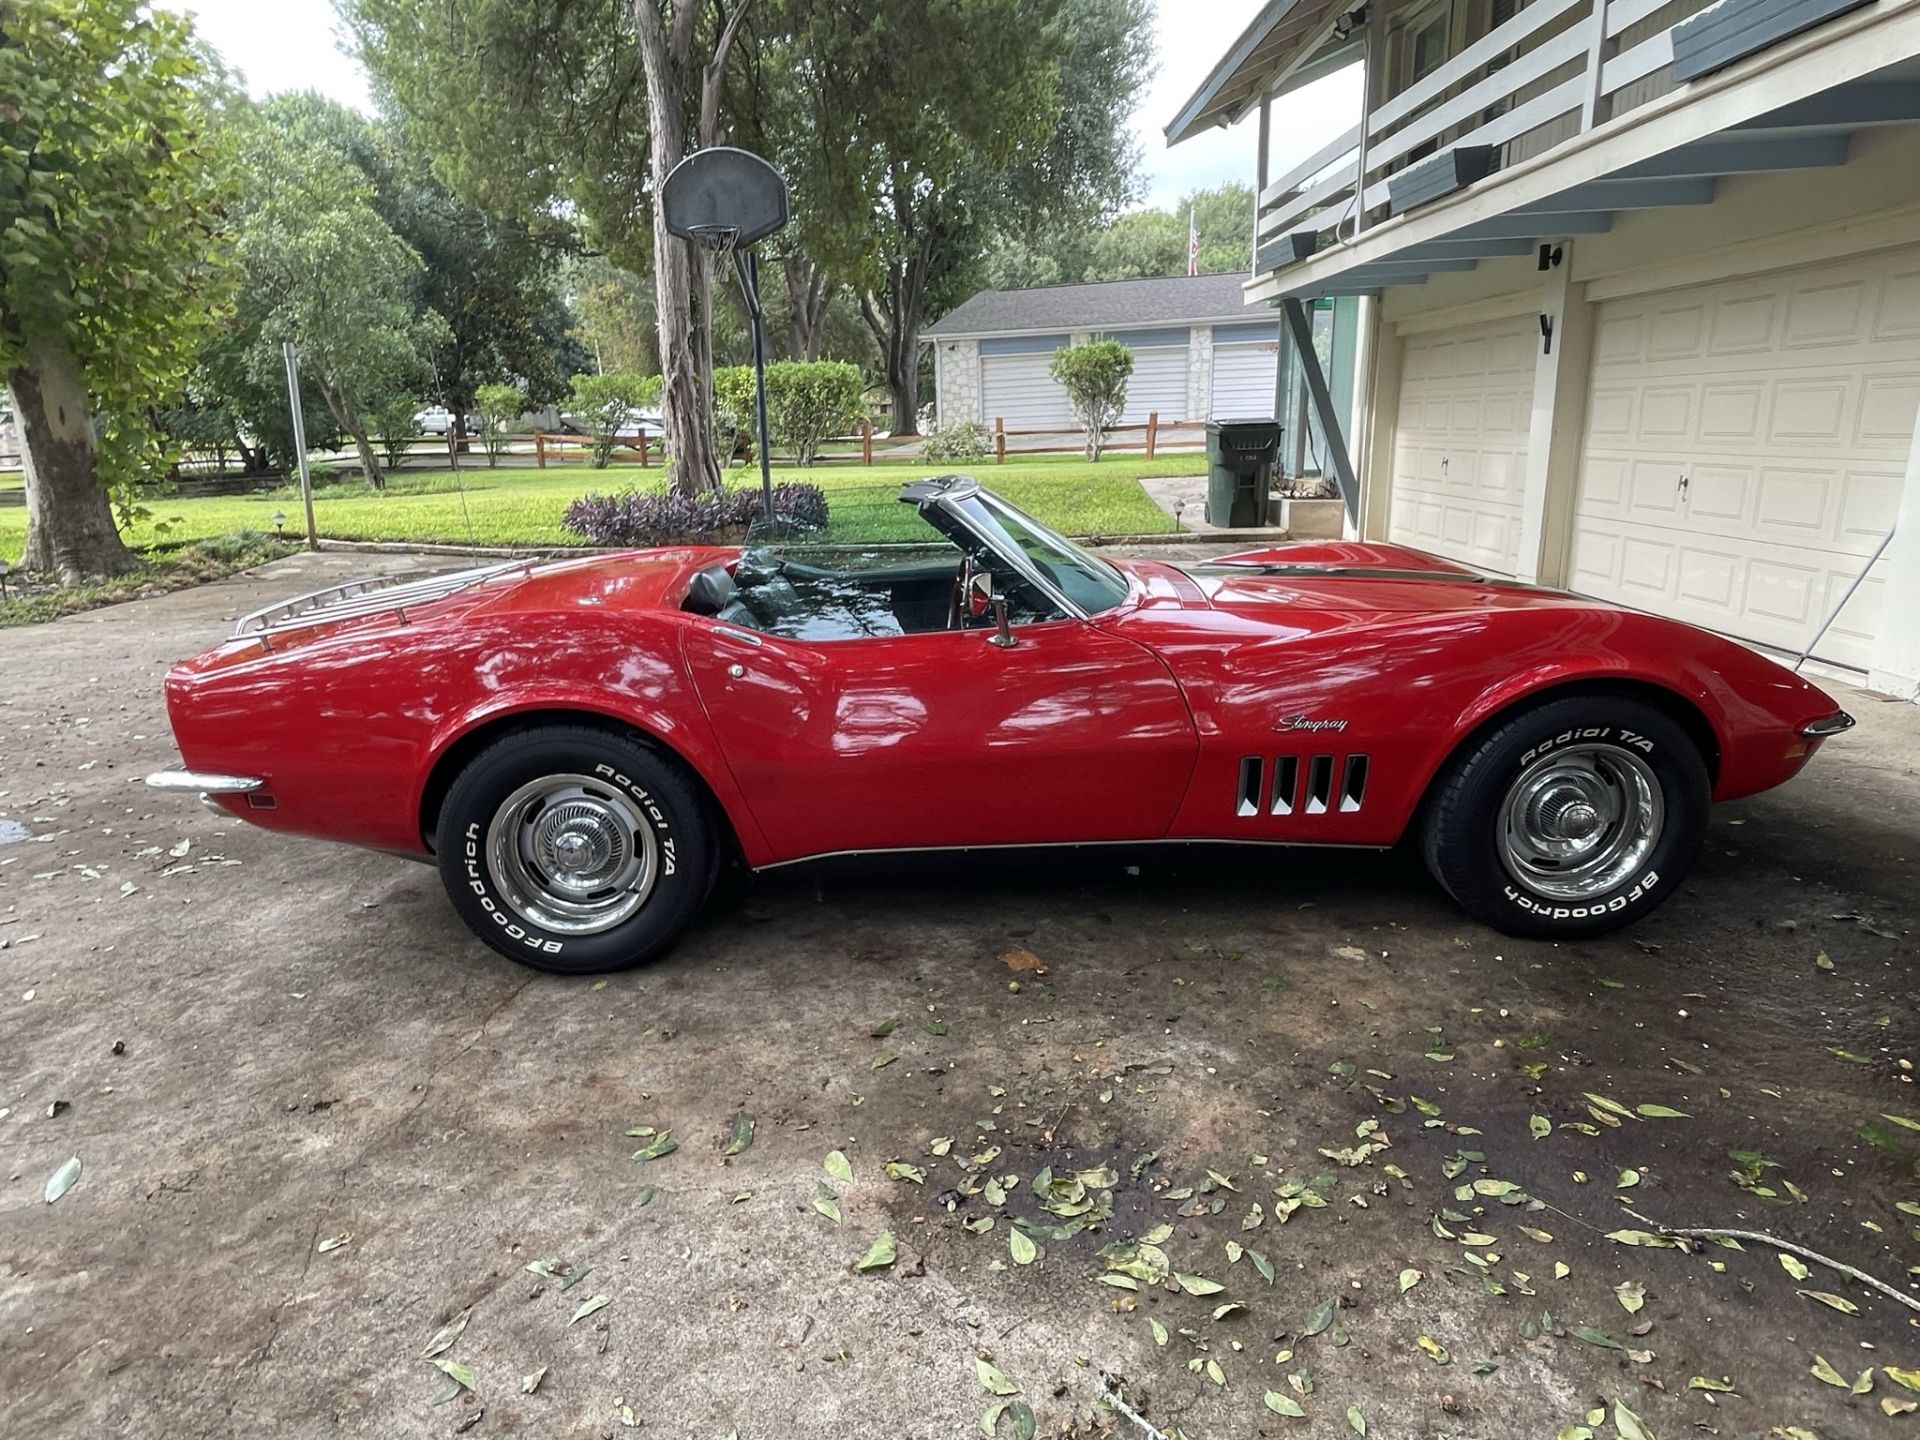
(1573, 818)
(576, 850)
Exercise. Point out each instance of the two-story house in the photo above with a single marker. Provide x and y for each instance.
(1643, 282)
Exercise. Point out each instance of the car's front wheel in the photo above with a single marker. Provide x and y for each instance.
(576, 850)
(1573, 818)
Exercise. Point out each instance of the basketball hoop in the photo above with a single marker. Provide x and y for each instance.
(724, 200)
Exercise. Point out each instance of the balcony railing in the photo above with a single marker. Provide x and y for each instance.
(1555, 69)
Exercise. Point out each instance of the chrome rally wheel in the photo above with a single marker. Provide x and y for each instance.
(1576, 822)
(571, 854)
(1572, 818)
(576, 848)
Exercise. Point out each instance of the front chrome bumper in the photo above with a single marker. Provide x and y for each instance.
(1836, 724)
(201, 783)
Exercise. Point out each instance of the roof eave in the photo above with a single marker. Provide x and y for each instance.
(1186, 124)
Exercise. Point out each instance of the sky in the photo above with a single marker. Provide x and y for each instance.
(294, 45)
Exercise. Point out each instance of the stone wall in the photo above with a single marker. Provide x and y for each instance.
(957, 381)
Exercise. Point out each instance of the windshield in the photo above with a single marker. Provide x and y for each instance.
(1091, 584)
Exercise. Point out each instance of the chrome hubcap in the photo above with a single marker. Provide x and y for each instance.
(571, 855)
(1580, 821)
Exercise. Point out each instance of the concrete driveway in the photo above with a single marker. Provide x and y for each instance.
(1383, 1145)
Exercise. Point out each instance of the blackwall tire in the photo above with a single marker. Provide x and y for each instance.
(1575, 818)
(576, 850)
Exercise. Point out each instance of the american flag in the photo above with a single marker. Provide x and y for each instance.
(1193, 243)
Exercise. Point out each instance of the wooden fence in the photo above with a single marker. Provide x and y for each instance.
(1150, 435)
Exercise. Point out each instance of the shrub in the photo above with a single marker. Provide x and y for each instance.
(1094, 375)
(602, 405)
(666, 517)
(807, 401)
(393, 418)
(962, 440)
(501, 407)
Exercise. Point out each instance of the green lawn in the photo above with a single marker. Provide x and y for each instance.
(12, 479)
(523, 506)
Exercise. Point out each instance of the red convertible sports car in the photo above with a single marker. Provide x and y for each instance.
(582, 745)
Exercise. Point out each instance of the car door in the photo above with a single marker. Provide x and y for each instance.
(944, 738)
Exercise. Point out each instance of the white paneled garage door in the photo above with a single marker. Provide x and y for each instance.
(1159, 379)
(1745, 449)
(1460, 445)
(1246, 370)
(1015, 386)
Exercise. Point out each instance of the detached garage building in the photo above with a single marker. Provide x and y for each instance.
(1200, 351)
(1643, 295)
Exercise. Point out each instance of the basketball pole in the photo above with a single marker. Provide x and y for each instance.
(748, 269)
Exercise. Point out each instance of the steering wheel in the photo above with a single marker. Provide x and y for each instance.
(957, 600)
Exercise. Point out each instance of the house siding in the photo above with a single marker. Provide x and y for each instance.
(1776, 241)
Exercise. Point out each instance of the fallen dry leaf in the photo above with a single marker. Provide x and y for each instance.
(1024, 962)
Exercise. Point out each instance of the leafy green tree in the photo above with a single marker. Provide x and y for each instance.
(113, 256)
(528, 105)
(613, 315)
(604, 404)
(495, 282)
(939, 123)
(501, 407)
(392, 420)
(1141, 243)
(1135, 245)
(1095, 376)
(323, 270)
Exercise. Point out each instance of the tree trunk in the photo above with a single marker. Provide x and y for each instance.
(667, 62)
(70, 529)
(896, 328)
(895, 316)
(809, 292)
(347, 416)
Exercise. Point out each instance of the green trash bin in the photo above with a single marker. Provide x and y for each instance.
(1240, 456)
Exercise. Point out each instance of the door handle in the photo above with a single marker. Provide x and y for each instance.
(1684, 483)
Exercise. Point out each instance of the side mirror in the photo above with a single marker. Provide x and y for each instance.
(979, 593)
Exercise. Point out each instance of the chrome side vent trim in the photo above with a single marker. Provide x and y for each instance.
(1286, 784)
(1353, 784)
(1319, 784)
(1250, 776)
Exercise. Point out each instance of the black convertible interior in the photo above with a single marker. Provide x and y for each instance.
(903, 590)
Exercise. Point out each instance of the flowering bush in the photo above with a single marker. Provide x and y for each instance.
(666, 517)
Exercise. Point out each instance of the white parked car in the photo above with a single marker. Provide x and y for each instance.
(434, 420)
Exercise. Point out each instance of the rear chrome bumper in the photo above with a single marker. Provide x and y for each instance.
(1836, 724)
(201, 783)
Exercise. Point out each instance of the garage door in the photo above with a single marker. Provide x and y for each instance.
(1159, 379)
(1246, 366)
(1460, 444)
(1745, 449)
(1015, 386)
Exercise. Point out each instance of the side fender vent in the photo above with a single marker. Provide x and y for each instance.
(1319, 784)
(1353, 784)
(1251, 772)
(1286, 784)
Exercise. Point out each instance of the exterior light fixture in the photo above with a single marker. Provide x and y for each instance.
(279, 521)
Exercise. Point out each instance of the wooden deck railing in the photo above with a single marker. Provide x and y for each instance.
(1555, 69)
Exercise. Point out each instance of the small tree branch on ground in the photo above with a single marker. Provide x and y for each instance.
(1697, 1232)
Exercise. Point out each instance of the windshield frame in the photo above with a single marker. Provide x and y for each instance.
(954, 496)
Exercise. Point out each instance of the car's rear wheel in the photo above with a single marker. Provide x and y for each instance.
(1573, 818)
(576, 850)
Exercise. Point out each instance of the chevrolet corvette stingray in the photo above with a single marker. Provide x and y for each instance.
(582, 745)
